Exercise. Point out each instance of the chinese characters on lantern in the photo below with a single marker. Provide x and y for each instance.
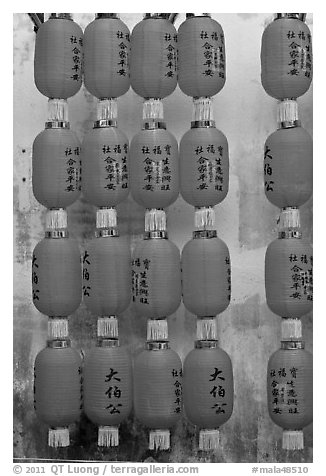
(299, 53)
(113, 392)
(177, 390)
(302, 280)
(228, 270)
(171, 55)
(209, 167)
(285, 399)
(217, 391)
(35, 279)
(139, 280)
(123, 53)
(73, 171)
(268, 171)
(86, 287)
(157, 172)
(214, 58)
(116, 168)
(76, 43)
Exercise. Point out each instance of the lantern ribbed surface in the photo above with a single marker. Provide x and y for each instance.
(206, 276)
(158, 388)
(204, 166)
(286, 58)
(56, 168)
(201, 57)
(208, 387)
(288, 167)
(58, 58)
(56, 276)
(154, 168)
(105, 166)
(156, 278)
(57, 386)
(106, 57)
(153, 64)
(107, 275)
(288, 277)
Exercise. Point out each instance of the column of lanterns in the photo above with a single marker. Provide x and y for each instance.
(206, 269)
(107, 259)
(286, 74)
(56, 269)
(154, 183)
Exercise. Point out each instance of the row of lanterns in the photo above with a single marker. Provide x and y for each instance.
(286, 73)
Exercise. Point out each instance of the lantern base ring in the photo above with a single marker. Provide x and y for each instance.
(57, 125)
(289, 124)
(152, 125)
(206, 234)
(198, 124)
(292, 440)
(105, 123)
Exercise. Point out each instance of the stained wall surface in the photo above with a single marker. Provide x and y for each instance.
(246, 221)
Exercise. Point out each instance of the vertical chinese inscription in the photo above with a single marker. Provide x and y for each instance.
(139, 276)
(284, 394)
(123, 48)
(113, 391)
(268, 171)
(115, 165)
(73, 169)
(300, 54)
(170, 54)
(86, 287)
(35, 278)
(213, 53)
(157, 167)
(301, 279)
(177, 375)
(209, 167)
(217, 391)
(76, 45)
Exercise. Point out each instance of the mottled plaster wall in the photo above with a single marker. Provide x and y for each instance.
(246, 221)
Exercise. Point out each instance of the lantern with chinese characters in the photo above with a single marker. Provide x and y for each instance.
(286, 56)
(158, 391)
(289, 391)
(58, 57)
(201, 56)
(208, 390)
(57, 389)
(153, 63)
(107, 389)
(106, 56)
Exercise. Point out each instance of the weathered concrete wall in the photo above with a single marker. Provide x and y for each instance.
(246, 221)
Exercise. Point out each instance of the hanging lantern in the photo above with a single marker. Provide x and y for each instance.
(57, 389)
(201, 55)
(107, 389)
(208, 390)
(56, 160)
(286, 56)
(289, 391)
(288, 275)
(156, 276)
(158, 391)
(153, 64)
(206, 274)
(58, 57)
(106, 56)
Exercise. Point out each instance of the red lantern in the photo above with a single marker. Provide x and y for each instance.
(57, 389)
(107, 389)
(206, 274)
(107, 274)
(56, 274)
(156, 276)
(58, 57)
(286, 57)
(208, 390)
(288, 275)
(153, 65)
(288, 167)
(201, 56)
(106, 56)
(289, 391)
(158, 391)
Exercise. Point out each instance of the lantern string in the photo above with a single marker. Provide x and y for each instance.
(108, 436)
(292, 440)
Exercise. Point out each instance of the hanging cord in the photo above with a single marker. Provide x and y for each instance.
(37, 19)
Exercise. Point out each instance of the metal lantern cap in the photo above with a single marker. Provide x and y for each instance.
(292, 344)
(107, 342)
(101, 123)
(289, 124)
(164, 16)
(60, 16)
(157, 345)
(193, 15)
(152, 125)
(58, 343)
(289, 234)
(106, 233)
(206, 344)
(158, 234)
(200, 124)
(114, 16)
(57, 125)
(297, 16)
(57, 234)
(206, 234)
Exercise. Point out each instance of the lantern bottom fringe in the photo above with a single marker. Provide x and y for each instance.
(108, 436)
(58, 110)
(291, 328)
(204, 218)
(153, 109)
(209, 440)
(56, 219)
(155, 220)
(292, 440)
(107, 109)
(289, 218)
(106, 218)
(57, 328)
(206, 329)
(157, 329)
(287, 111)
(159, 440)
(107, 327)
(58, 437)
(203, 108)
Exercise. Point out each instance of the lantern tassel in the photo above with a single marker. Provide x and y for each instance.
(108, 436)
(204, 218)
(157, 329)
(153, 109)
(56, 219)
(292, 440)
(287, 111)
(202, 109)
(58, 110)
(289, 218)
(107, 109)
(107, 327)
(291, 328)
(206, 329)
(155, 220)
(159, 440)
(58, 437)
(57, 328)
(106, 218)
(209, 440)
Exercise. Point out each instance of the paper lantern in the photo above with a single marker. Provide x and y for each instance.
(153, 63)
(288, 167)
(57, 389)
(58, 57)
(206, 275)
(107, 389)
(208, 390)
(158, 391)
(56, 166)
(288, 276)
(286, 57)
(107, 274)
(289, 391)
(156, 276)
(106, 56)
(56, 275)
(201, 56)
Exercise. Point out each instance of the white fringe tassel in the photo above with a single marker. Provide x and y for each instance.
(107, 327)
(204, 218)
(159, 440)
(108, 436)
(56, 219)
(206, 329)
(157, 329)
(106, 218)
(209, 440)
(58, 110)
(287, 111)
(155, 220)
(203, 110)
(291, 328)
(289, 218)
(152, 109)
(58, 437)
(57, 328)
(292, 440)
(107, 109)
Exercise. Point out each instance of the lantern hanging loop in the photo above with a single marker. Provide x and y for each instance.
(298, 16)
(37, 19)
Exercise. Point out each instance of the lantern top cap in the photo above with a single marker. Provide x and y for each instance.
(290, 234)
(193, 15)
(101, 123)
(164, 16)
(106, 15)
(58, 343)
(198, 124)
(206, 344)
(157, 234)
(107, 233)
(298, 16)
(157, 345)
(204, 234)
(57, 125)
(56, 234)
(60, 16)
(292, 344)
